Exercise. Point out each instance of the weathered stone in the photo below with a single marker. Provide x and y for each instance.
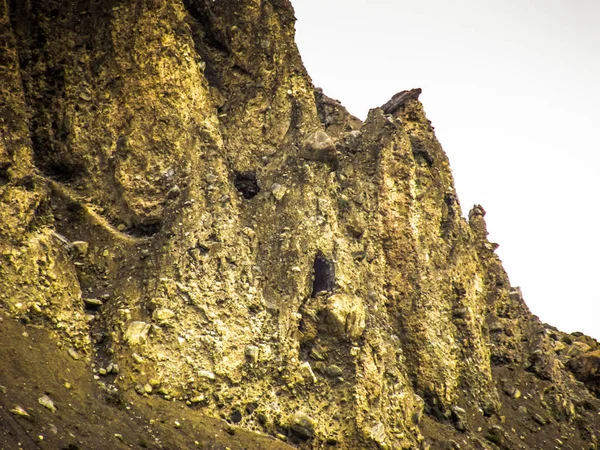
(302, 426)
(201, 398)
(137, 332)
(495, 434)
(207, 374)
(47, 403)
(73, 353)
(161, 315)
(252, 353)
(81, 248)
(306, 373)
(278, 191)
(578, 348)
(318, 147)
(174, 192)
(539, 419)
(346, 315)
(334, 371)
(92, 302)
(19, 411)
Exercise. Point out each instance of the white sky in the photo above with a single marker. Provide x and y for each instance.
(513, 90)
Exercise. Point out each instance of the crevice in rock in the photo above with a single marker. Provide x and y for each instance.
(323, 275)
(63, 171)
(4, 177)
(420, 152)
(145, 229)
(246, 183)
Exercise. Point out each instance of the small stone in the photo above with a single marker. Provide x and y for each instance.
(302, 426)
(207, 374)
(73, 354)
(236, 416)
(162, 315)
(252, 353)
(306, 373)
(102, 372)
(174, 192)
(47, 403)
(316, 354)
(80, 248)
(177, 424)
(2, 389)
(496, 327)
(147, 388)
(19, 411)
(137, 358)
(92, 302)
(140, 389)
(334, 371)
(489, 409)
(539, 419)
(278, 191)
(198, 399)
(495, 435)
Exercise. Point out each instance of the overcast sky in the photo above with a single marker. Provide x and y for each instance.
(513, 90)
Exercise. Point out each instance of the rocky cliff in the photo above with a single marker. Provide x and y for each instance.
(200, 250)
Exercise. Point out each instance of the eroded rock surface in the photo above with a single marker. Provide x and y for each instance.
(188, 225)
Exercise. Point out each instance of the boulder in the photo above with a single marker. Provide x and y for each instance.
(346, 315)
(318, 147)
(137, 332)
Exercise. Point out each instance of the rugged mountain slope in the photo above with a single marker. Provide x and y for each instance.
(191, 231)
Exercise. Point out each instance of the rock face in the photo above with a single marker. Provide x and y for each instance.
(255, 254)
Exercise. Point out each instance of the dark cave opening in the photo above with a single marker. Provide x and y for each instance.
(4, 176)
(324, 275)
(145, 229)
(64, 172)
(246, 183)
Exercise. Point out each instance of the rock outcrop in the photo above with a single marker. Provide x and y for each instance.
(206, 251)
